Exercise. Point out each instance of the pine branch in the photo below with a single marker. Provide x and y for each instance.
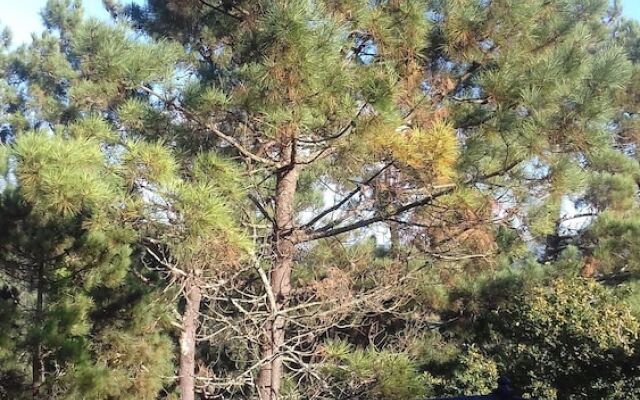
(220, 10)
(262, 210)
(438, 97)
(343, 131)
(323, 232)
(350, 195)
(190, 115)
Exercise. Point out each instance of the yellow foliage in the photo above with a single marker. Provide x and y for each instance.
(429, 154)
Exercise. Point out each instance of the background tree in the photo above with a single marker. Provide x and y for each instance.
(82, 190)
(75, 202)
(78, 308)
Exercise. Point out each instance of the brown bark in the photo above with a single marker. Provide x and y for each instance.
(193, 296)
(37, 362)
(394, 232)
(283, 246)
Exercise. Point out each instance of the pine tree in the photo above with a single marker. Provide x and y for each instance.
(416, 113)
(61, 241)
(87, 202)
(65, 238)
(201, 247)
(459, 127)
(602, 241)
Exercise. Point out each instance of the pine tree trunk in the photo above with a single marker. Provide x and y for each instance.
(37, 362)
(394, 232)
(390, 178)
(193, 296)
(271, 373)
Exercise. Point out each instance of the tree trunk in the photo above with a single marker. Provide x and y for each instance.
(37, 362)
(391, 180)
(394, 239)
(193, 296)
(283, 246)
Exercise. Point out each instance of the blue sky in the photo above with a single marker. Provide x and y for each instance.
(23, 16)
(631, 8)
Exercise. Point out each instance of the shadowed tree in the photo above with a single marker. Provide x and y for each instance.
(79, 199)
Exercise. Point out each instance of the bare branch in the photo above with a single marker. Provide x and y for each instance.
(260, 207)
(346, 129)
(230, 140)
(350, 195)
(220, 10)
(461, 257)
(324, 233)
(165, 263)
(267, 285)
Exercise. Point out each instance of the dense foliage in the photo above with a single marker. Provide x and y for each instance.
(321, 199)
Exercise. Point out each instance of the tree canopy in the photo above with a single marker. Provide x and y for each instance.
(321, 199)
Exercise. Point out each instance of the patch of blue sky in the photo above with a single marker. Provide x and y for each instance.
(23, 18)
(631, 9)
